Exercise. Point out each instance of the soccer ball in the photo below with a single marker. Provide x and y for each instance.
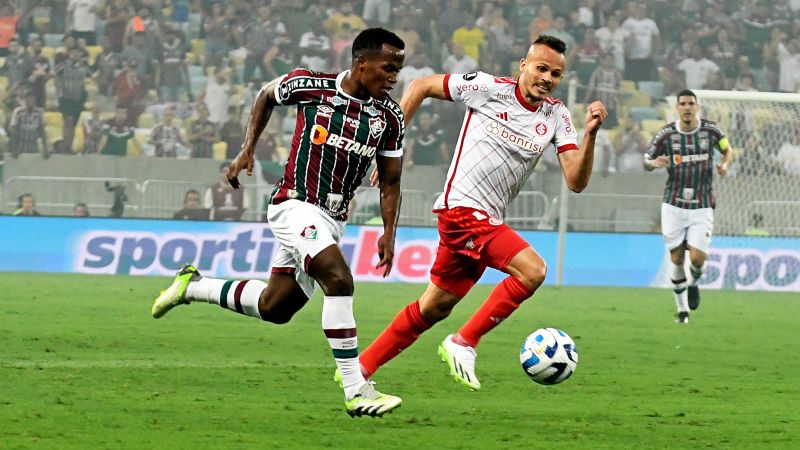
(548, 356)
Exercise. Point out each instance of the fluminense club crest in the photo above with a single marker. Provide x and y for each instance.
(309, 233)
(376, 126)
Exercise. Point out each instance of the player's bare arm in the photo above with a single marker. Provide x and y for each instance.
(727, 157)
(259, 116)
(418, 90)
(389, 170)
(657, 163)
(577, 165)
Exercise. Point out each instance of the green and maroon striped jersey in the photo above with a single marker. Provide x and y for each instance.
(691, 163)
(336, 137)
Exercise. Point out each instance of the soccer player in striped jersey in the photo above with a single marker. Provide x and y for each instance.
(686, 149)
(344, 121)
(507, 126)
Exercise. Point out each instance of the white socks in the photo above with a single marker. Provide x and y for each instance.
(696, 272)
(678, 277)
(237, 295)
(340, 329)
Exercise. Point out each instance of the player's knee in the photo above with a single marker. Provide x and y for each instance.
(534, 277)
(435, 312)
(337, 282)
(278, 311)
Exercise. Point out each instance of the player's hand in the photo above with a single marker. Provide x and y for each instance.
(661, 161)
(244, 160)
(722, 169)
(385, 253)
(595, 115)
(373, 177)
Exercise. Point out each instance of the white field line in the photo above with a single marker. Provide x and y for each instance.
(142, 364)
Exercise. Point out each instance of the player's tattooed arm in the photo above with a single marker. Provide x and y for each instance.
(259, 116)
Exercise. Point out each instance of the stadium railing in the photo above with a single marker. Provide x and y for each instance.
(58, 195)
(609, 212)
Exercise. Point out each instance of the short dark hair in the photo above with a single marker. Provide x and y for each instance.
(371, 40)
(23, 197)
(552, 42)
(685, 93)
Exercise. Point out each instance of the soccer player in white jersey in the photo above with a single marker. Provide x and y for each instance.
(686, 149)
(507, 126)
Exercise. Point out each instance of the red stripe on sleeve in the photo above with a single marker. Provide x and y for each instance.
(564, 148)
(446, 87)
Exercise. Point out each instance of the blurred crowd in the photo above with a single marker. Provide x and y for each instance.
(176, 78)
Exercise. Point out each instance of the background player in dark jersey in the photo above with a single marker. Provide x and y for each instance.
(343, 121)
(685, 147)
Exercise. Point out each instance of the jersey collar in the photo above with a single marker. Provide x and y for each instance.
(522, 101)
(344, 94)
(678, 128)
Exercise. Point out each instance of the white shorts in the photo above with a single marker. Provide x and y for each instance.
(303, 231)
(694, 226)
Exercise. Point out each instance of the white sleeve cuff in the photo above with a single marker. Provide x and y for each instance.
(391, 153)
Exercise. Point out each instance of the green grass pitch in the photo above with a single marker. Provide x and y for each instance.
(83, 365)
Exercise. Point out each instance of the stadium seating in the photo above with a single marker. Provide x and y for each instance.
(651, 126)
(637, 99)
(138, 146)
(655, 89)
(49, 52)
(627, 86)
(93, 50)
(641, 113)
(53, 134)
(219, 150)
(53, 40)
(198, 46)
(53, 119)
(146, 120)
(77, 143)
(91, 90)
(195, 22)
(197, 82)
(40, 23)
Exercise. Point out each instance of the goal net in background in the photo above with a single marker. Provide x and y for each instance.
(761, 194)
(757, 219)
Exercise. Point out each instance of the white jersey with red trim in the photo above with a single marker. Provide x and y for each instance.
(501, 140)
